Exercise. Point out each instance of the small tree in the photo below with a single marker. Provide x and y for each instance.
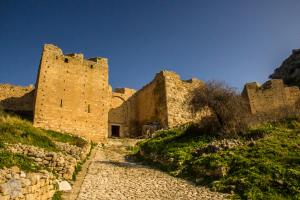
(229, 110)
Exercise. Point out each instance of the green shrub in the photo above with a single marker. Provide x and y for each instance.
(229, 110)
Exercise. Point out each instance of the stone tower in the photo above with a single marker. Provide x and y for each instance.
(72, 94)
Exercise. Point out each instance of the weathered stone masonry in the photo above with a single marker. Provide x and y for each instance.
(17, 99)
(72, 94)
(121, 112)
(162, 103)
(271, 96)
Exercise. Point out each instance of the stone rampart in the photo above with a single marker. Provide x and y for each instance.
(72, 94)
(178, 95)
(270, 96)
(16, 98)
(162, 103)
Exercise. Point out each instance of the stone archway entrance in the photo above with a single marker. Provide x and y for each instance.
(117, 117)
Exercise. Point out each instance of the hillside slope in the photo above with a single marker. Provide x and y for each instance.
(33, 160)
(267, 166)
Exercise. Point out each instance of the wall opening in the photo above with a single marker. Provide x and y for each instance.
(61, 103)
(66, 60)
(115, 131)
(89, 108)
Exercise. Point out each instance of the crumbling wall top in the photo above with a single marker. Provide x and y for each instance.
(77, 56)
(124, 90)
(51, 47)
(270, 84)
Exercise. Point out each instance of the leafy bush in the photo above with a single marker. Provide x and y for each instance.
(229, 109)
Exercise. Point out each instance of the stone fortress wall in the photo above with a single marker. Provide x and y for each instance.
(72, 94)
(16, 98)
(162, 103)
(121, 111)
(178, 95)
(270, 96)
(132, 110)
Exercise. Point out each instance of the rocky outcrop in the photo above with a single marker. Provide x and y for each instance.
(16, 184)
(289, 70)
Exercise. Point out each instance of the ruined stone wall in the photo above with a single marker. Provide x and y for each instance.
(16, 98)
(72, 94)
(271, 96)
(164, 103)
(17, 184)
(150, 102)
(121, 111)
(179, 93)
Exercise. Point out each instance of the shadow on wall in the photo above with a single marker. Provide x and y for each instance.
(22, 106)
(121, 119)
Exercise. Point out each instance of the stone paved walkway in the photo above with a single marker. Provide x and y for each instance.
(110, 177)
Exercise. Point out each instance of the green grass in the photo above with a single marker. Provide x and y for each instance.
(78, 167)
(15, 130)
(9, 159)
(173, 147)
(57, 195)
(66, 138)
(269, 168)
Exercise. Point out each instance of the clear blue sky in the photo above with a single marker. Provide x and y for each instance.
(235, 41)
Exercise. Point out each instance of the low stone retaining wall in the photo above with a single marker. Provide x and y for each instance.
(57, 162)
(16, 184)
(62, 164)
(79, 153)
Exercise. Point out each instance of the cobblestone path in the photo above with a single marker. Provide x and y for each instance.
(111, 177)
